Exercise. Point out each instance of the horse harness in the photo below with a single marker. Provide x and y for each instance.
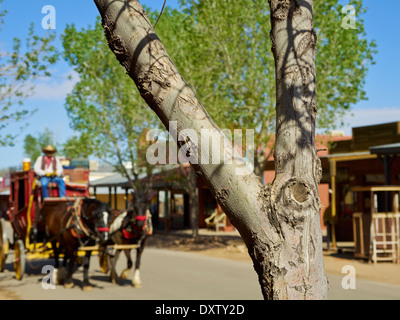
(131, 231)
(76, 224)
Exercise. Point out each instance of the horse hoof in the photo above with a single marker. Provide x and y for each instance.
(136, 282)
(68, 285)
(87, 288)
(125, 274)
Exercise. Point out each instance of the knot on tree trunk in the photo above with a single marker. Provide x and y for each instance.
(299, 191)
(290, 202)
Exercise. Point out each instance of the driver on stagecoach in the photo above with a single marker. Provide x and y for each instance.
(49, 169)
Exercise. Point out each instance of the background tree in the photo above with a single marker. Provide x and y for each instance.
(19, 68)
(279, 222)
(33, 145)
(342, 61)
(77, 147)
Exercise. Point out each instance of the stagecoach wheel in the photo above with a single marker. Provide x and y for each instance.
(19, 259)
(103, 261)
(2, 255)
(2, 258)
(4, 245)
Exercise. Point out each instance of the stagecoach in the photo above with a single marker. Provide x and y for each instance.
(25, 213)
(23, 227)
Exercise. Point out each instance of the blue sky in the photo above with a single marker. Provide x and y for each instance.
(382, 85)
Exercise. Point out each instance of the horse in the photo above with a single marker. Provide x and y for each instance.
(129, 228)
(72, 225)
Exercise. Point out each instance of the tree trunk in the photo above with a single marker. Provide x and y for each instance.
(294, 192)
(280, 222)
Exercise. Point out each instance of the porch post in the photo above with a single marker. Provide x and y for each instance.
(126, 198)
(332, 164)
(115, 198)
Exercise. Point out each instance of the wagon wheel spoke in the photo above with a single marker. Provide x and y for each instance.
(4, 246)
(2, 256)
(19, 259)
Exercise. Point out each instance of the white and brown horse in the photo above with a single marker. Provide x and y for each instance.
(129, 228)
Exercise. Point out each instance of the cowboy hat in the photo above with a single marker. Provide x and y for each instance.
(49, 149)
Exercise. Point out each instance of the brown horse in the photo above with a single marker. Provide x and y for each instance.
(129, 228)
(73, 225)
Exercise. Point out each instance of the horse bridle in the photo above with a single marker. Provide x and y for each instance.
(137, 231)
(78, 212)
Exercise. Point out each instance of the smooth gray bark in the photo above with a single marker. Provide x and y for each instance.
(280, 222)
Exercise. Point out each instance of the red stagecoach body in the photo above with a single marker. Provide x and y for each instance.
(25, 197)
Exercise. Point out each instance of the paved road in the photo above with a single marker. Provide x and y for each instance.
(172, 275)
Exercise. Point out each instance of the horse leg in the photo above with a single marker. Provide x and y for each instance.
(113, 273)
(65, 260)
(56, 262)
(68, 279)
(125, 274)
(86, 262)
(62, 272)
(136, 282)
